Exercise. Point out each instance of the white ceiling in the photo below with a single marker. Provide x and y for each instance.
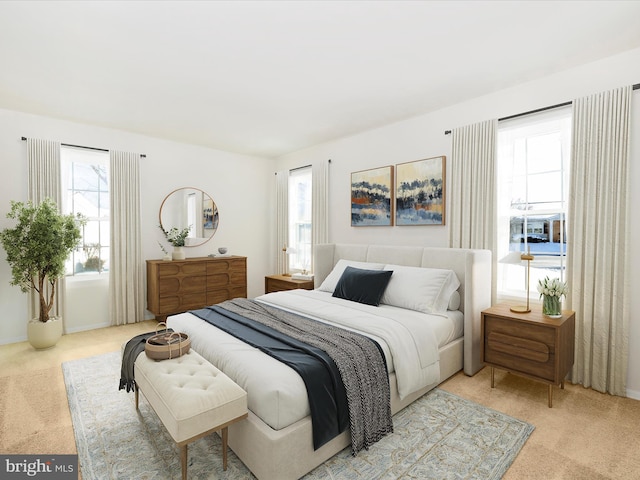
(270, 77)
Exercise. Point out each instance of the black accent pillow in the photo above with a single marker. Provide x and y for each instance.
(362, 286)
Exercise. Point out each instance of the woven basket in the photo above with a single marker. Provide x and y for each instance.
(167, 345)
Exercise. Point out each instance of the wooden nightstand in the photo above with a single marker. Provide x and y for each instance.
(529, 344)
(277, 283)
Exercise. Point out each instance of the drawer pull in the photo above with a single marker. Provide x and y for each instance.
(518, 347)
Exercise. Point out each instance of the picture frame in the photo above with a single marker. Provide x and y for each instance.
(372, 197)
(420, 196)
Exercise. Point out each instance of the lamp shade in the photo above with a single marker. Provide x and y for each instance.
(513, 258)
(516, 258)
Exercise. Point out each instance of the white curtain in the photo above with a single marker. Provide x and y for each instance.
(472, 200)
(282, 219)
(126, 280)
(320, 204)
(44, 181)
(598, 240)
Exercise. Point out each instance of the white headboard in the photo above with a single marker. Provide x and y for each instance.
(473, 268)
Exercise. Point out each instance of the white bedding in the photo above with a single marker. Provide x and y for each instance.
(446, 327)
(407, 337)
(277, 394)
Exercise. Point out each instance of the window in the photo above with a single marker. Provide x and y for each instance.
(299, 220)
(85, 182)
(533, 186)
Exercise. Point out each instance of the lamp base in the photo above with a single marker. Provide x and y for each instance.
(520, 309)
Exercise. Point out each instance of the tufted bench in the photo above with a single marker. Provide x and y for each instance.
(192, 398)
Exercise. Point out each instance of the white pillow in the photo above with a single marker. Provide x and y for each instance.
(329, 284)
(426, 290)
(454, 301)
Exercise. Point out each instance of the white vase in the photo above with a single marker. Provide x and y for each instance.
(178, 253)
(43, 335)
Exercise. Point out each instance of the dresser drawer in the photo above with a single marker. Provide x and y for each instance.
(535, 332)
(279, 285)
(181, 303)
(519, 347)
(222, 280)
(222, 294)
(166, 269)
(178, 285)
(236, 265)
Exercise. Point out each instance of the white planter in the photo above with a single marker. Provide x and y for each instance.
(44, 335)
(178, 253)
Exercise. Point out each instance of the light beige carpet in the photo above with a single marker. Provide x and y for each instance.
(34, 413)
(586, 435)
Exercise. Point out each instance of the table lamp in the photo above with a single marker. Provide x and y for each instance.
(287, 251)
(516, 258)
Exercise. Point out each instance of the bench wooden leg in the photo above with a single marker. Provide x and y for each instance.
(183, 460)
(225, 438)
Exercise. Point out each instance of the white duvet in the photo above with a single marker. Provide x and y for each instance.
(406, 334)
(277, 394)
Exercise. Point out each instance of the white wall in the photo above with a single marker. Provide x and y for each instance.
(423, 137)
(238, 184)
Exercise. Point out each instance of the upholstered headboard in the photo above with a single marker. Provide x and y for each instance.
(473, 268)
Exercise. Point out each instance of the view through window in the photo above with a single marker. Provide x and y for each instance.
(85, 183)
(533, 187)
(299, 220)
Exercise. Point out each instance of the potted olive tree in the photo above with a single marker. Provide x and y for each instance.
(37, 248)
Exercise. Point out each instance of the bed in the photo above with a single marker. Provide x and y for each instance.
(276, 440)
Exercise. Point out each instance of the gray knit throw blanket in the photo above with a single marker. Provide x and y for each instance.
(359, 360)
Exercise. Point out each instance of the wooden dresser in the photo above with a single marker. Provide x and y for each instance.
(181, 285)
(529, 344)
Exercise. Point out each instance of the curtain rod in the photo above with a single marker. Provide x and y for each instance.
(634, 87)
(24, 139)
(299, 168)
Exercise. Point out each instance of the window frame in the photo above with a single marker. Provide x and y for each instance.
(69, 157)
(540, 237)
(299, 229)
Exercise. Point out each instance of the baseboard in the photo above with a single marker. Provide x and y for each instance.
(87, 327)
(635, 394)
(6, 341)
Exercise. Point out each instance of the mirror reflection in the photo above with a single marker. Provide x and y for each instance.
(193, 208)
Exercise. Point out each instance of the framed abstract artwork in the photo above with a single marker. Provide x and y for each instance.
(420, 192)
(372, 197)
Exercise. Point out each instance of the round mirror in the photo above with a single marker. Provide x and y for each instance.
(192, 208)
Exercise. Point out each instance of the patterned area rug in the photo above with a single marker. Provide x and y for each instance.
(440, 436)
